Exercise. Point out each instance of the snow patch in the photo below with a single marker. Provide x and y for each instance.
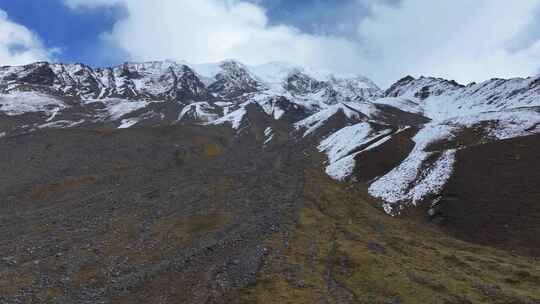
(268, 135)
(201, 111)
(340, 144)
(378, 143)
(116, 107)
(408, 182)
(18, 103)
(504, 124)
(234, 118)
(53, 115)
(436, 177)
(61, 124)
(404, 104)
(122, 107)
(352, 111)
(126, 123)
(341, 168)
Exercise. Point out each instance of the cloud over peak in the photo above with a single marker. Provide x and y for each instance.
(211, 30)
(18, 45)
(458, 39)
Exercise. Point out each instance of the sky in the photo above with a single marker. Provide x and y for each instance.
(384, 40)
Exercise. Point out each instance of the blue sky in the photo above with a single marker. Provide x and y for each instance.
(381, 39)
(75, 33)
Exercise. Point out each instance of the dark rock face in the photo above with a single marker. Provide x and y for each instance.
(299, 83)
(126, 71)
(423, 93)
(492, 197)
(292, 111)
(535, 83)
(234, 81)
(187, 86)
(82, 82)
(177, 82)
(38, 74)
(384, 158)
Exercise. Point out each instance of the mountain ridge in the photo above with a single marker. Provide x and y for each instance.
(317, 105)
(273, 184)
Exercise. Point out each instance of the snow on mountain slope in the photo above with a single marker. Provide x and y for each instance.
(77, 79)
(151, 78)
(309, 88)
(199, 111)
(410, 181)
(345, 140)
(234, 118)
(284, 91)
(352, 112)
(340, 144)
(440, 99)
(502, 124)
(425, 171)
(497, 109)
(278, 76)
(273, 74)
(401, 103)
(17, 103)
(421, 88)
(268, 135)
(126, 123)
(460, 116)
(234, 79)
(117, 107)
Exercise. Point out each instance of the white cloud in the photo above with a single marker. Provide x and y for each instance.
(213, 30)
(459, 39)
(18, 45)
(79, 4)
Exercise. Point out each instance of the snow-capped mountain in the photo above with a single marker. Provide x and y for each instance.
(129, 87)
(460, 117)
(345, 116)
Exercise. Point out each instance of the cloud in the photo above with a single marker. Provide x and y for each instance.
(213, 30)
(18, 45)
(459, 39)
(80, 4)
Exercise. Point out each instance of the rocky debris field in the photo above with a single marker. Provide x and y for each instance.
(91, 216)
(193, 214)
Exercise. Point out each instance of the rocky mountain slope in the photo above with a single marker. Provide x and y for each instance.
(219, 171)
(348, 115)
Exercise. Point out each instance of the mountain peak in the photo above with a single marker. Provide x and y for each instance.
(422, 87)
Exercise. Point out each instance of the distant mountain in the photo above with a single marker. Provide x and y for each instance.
(344, 115)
